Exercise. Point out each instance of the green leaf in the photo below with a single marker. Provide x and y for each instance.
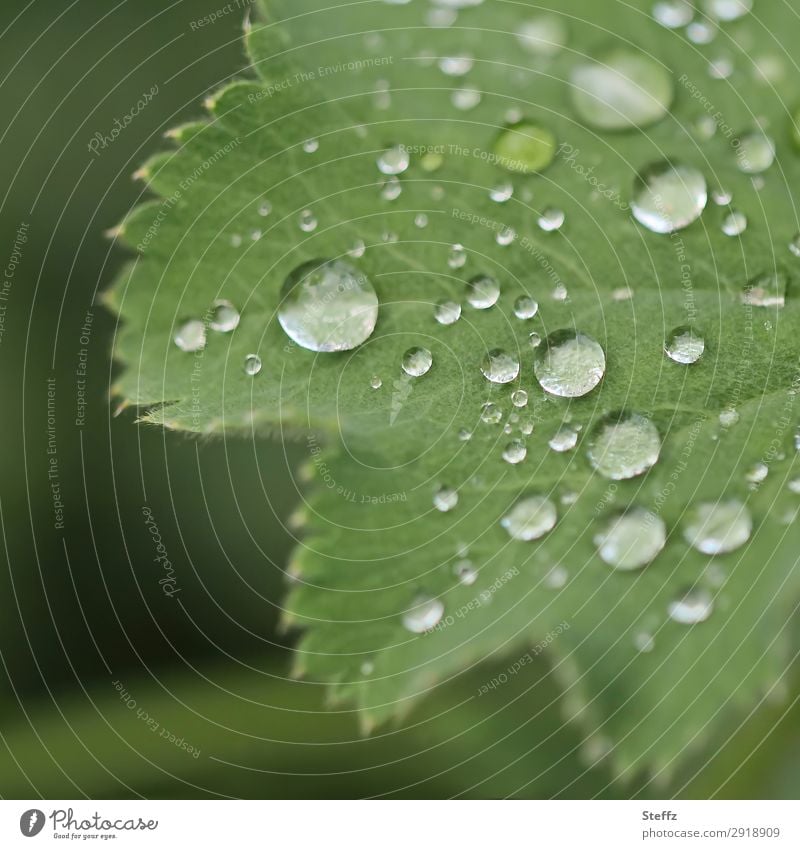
(358, 79)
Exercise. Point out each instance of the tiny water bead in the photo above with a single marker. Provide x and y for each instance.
(311, 145)
(794, 245)
(621, 91)
(525, 307)
(624, 445)
(551, 219)
(456, 66)
(569, 364)
(375, 382)
(191, 336)
(394, 160)
(684, 345)
(391, 189)
(721, 197)
(717, 527)
(530, 518)
(692, 606)
(466, 573)
(766, 290)
(757, 473)
(631, 540)
(534, 339)
(644, 641)
(515, 452)
(505, 237)
(525, 148)
(491, 413)
(501, 193)
(668, 196)
(328, 305)
(445, 499)
(556, 578)
(417, 361)
(224, 317)
(498, 366)
(728, 417)
(457, 256)
(519, 398)
(734, 223)
(673, 14)
(543, 36)
(464, 435)
(701, 32)
(755, 152)
(727, 10)
(264, 208)
(421, 220)
(482, 292)
(447, 312)
(465, 98)
(252, 365)
(564, 439)
(423, 615)
(307, 221)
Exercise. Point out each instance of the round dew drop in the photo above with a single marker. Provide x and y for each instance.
(491, 413)
(482, 292)
(394, 160)
(424, 614)
(515, 452)
(328, 305)
(224, 317)
(500, 367)
(755, 152)
(519, 398)
(631, 540)
(191, 336)
(375, 382)
(525, 307)
(525, 148)
(564, 439)
(252, 365)
(569, 364)
(624, 445)
(734, 223)
(668, 197)
(417, 361)
(691, 607)
(307, 221)
(466, 573)
(717, 527)
(684, 345)
(447, 312)
(551, 219)
(531, 518)
(445, 499)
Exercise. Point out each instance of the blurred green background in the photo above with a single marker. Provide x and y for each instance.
(110, 688)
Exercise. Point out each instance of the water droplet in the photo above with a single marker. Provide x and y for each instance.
(358, 250)
(265, 208)
(224, 317)
(307, 221)
(392, 189)
(544, 36)
(720, 68)
(505, 236)
(501, 193)
(624, 445)
(328, 305)
(311, 145)
(394, 160)
(519, 398)
(701, 32)
(668, 197)
(734, 224)
(673, 14)
(389, 237)
(491, 413)
(728, 418)
(556, 578)
(191, 336)
(236, 240)
(569, 364)
(684, 346)
(794, 486)
(456, 66)
(794, 245)
(531, 518)
(465, 98)
(716, 527)
(515, 452)
(551, 219)
(564, 439)
(727, 10)
(375, 382)
(704, 127)
(643, 641)
(421, 220)
(691, 607)
(525, 148)
(498, 366)
(755, 152)
(757, 473)
(255, 235)
(534, 339)
(632, 539)
(466, 573)
(445, 499)
(766, 290)
(464, 435)
(252, 364)
(721, 197)
(457, 257)
(425, 613)
(482, 292)
(417, 361)
(623, 90)
(525, 307)
(447, 312)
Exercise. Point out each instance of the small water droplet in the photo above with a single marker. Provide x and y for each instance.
(394, 160)
(624, 445)
(684, 345)
(307, 221)
(766, 290)
(519, 398)
(704, 127)
(358, 250)
(720, 68)
(755, 152)
(447, 312)
(544, 36)
(729, 417)
(668, 197)
(498, 366)
(505, 236)
(311, 145)
(515, 452)
(501, 193)
(727, 10)
(643, 641)
(569, 364)
(734, 223)
(621, 91)
(457, 257)
(717, 527)
(673, 14)
(556, 578)
(794, 486)
(367, 668)
(391, 189)
(375, 382)
(464, 435)
(525, 307)
(564, 439)
(465, 99)
(417, 361)
(482, 292)
(191, 336)
(526, 428)
(265, 208)
(328, 305)
(525, 148)
(534, 339)
(252, 364)
(701, 32)
(721, 197)
(456, 66)
(224, 317)
(757, 473)
(632, 539)
(551, 219)
(445, 499)
(691, 607)
(421, 220)
(794, 245)
(466, 573)
(236, 240)
(491, 413)
(423, 615)
(531, 518)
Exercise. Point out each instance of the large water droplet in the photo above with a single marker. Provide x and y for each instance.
(623, 90)
(445, 499)
(482, 292)
(692, 606)
(530, 518)
(632, 539)
(224, 317)
(417, 361)
(624, 445)
(447, 312)
(569, 364)
(498, 366)
(425, 613)
(684, 345)
(191, 336)
(525, 148)
(716, 527)
(393, 160)
(328, 305)
(668, 197)
(755, 152)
